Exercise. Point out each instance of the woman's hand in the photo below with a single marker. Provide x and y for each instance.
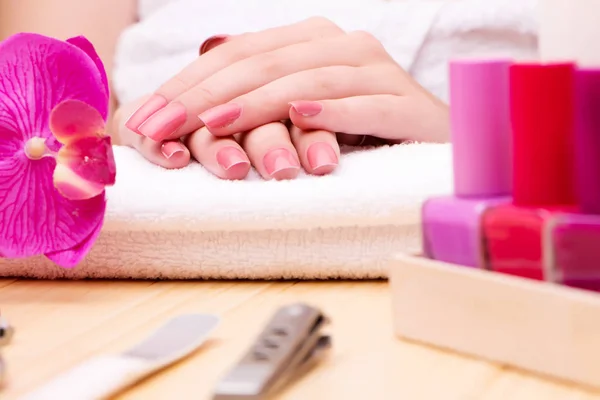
(316, 151)
(312, 73)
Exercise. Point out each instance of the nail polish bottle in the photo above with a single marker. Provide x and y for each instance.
(573, 240)
(541, 108)
(481, 150)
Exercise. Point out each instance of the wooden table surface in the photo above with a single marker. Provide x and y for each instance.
(59, 324)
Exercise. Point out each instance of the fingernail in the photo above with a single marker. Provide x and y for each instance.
(221, 116)
(169, 149)
(321, 157)
(165, 122)
(212, 42)
(307, 108)
(229, 157)
(281, 164)
(146, 110)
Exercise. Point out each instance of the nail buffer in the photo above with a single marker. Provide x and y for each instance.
(105, 376)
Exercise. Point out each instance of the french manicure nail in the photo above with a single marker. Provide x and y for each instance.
(321, 157)
(212, 42)
(281, 164)
(307, 108)
(165, 122)
(229, 157)
(145, 111)
(169, 149)
(221, 116)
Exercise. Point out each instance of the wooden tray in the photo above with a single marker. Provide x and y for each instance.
(536, 326)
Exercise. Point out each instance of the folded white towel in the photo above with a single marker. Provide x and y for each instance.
(187, 224)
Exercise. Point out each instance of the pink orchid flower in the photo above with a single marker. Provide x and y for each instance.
(55, 157)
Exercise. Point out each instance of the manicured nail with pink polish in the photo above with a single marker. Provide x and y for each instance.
(307, 108)
(221, 116)
(322, 158)
(212, 42)
(169, 149)
(151, 106)
(165, 122)
(281, 164)
(229, 157)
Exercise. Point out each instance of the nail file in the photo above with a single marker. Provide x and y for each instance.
(105, 376)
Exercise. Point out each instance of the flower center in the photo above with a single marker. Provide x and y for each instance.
(35, 148)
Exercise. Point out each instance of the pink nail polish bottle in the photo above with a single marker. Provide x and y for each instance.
(481, 149)
(572, 241)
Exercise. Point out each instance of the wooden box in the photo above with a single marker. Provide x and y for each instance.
(537, 326)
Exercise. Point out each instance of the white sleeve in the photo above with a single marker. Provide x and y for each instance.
(475, 29)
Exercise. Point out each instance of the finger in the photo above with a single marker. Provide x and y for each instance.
(223, 157)
(271, 151)
(270, 102)
(354, 50)
(318, 150)
(169, 154)
(385, 116)
(244, 46)
(155, 110)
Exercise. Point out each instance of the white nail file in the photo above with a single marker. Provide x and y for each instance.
(105, 376)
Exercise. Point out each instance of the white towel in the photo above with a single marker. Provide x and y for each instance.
(187, 224)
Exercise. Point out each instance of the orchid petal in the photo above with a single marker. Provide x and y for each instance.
(36, 74)
(73, 120)
(90, 158)
(71, 257)
(88, 48)
(73, 186)
(85, 164)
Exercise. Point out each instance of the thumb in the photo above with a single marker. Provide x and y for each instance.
(389, 117)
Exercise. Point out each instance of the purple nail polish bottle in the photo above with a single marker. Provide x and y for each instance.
(482, 162)
(572, 241)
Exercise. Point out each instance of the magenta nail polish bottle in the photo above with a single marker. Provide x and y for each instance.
(572, 241)
(542, 119)
(481, 150)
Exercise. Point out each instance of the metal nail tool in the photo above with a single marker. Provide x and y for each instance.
(287, 347)
(6, 333)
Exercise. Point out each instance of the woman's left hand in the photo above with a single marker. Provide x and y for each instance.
(312, 73)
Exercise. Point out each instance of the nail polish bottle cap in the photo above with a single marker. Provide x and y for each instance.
(587, 139)
(541, 105)
(480, 128)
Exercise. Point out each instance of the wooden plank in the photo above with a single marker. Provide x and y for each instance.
(537, 326)
(60, 324)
